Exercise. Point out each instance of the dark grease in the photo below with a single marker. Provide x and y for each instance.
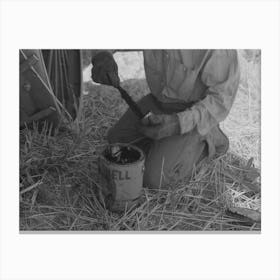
(121, 154)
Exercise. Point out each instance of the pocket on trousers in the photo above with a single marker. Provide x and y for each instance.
(217, 142)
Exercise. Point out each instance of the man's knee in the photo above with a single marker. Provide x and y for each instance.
(154, 178)
(119, 134)
(172, 160)
(159, 165)
(124, 131)
(112, 136)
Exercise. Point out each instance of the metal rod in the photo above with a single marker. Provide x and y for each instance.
(65, 73)
(55, 75)
(60, 67)
(50, 63)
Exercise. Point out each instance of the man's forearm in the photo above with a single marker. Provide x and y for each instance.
(206, 114)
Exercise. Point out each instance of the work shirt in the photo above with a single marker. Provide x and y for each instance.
(207, 78)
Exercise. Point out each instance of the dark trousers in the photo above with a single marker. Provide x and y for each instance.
(170, 159)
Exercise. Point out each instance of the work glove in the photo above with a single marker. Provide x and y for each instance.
(159, 126)
(105, 69)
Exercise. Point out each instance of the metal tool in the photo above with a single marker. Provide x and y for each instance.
(129, 101)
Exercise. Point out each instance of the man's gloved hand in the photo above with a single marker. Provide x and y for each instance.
(160, 126)
(105, 69)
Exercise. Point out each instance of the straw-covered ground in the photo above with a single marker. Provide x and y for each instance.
(59, 180)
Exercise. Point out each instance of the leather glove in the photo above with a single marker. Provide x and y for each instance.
(160, 126)
(105, 69)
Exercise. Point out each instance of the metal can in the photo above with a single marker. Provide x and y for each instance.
(121, 169)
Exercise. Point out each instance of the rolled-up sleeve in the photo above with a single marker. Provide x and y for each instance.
(221, 75)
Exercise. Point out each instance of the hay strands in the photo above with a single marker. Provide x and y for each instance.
(248, 185)
(28, 189)
(248, 213)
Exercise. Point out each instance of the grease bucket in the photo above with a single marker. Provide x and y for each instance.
(121, 169)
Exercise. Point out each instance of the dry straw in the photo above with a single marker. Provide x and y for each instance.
(59, 181)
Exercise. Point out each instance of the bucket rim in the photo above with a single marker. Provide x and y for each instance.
(142, 156)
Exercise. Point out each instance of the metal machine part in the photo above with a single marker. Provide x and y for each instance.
(50, 83)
